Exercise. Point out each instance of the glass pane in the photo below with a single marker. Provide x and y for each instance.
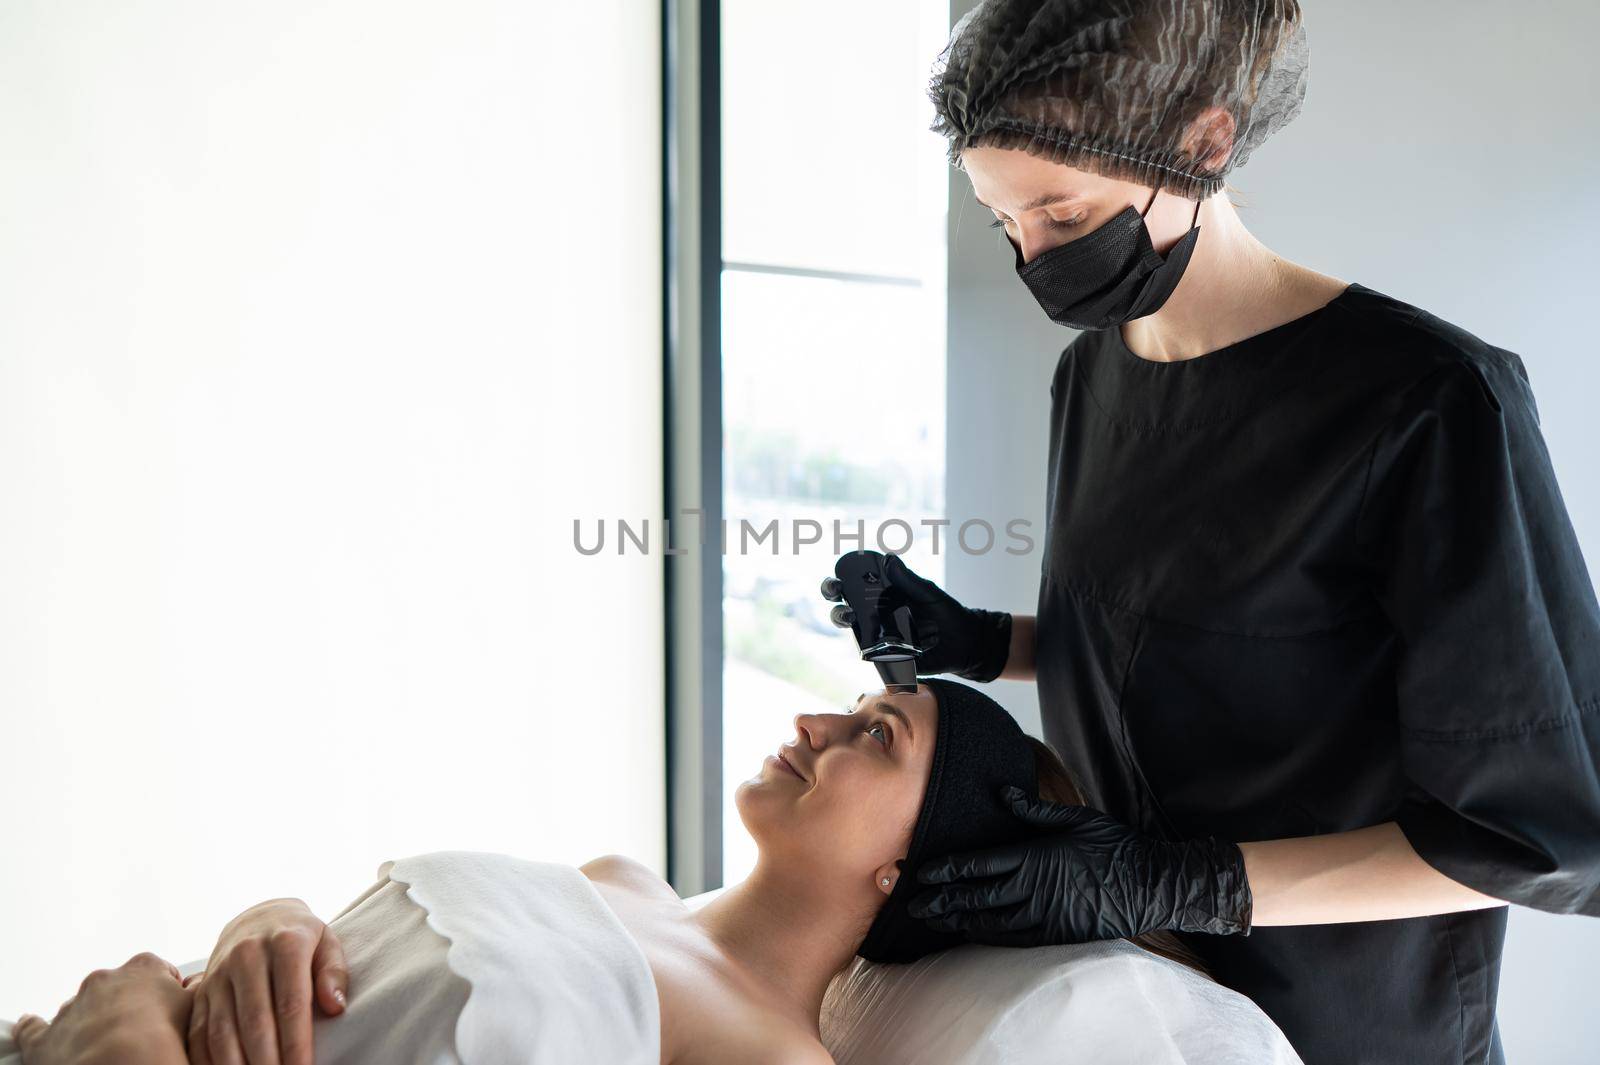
(827, 159)
(833, 407)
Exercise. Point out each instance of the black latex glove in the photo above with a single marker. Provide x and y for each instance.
(1086, 877)
(970, 643)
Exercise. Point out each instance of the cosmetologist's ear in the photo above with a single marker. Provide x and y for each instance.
(1209, 138)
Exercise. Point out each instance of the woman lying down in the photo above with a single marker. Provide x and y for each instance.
(462, 957)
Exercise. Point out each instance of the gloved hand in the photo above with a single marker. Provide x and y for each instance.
(970, 643)
(1086, 877)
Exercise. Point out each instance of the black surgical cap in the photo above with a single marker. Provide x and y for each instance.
(979, 749)
(1113, 86)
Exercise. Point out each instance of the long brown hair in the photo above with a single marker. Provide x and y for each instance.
(1056, 784)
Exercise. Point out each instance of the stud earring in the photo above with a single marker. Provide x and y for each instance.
(885, 881)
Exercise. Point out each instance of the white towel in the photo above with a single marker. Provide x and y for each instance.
(466, 958)
(555, 976)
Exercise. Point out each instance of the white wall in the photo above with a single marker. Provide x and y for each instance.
(319, 324)
(1447, 155)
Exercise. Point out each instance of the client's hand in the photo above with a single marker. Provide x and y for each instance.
(131, 1015)
(970, 643)
(254, 1002)
(1086, 877)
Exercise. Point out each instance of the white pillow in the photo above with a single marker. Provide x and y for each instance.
(1109, 1002)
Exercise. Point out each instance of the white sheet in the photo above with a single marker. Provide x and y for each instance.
(555, 976)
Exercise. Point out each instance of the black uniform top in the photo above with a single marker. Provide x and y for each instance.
(1320, 579)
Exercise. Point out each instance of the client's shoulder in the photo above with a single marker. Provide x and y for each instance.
(809, 1054)
(770, 1040)
(615, 866)
(622, 871)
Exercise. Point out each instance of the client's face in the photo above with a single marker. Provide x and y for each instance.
(842, 797)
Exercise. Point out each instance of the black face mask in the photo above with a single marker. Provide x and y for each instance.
(1108, 276)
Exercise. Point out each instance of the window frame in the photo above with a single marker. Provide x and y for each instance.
(691, 187)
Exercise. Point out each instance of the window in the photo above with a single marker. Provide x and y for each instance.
(833, 351)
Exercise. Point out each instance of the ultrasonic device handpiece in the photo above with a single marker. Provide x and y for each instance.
(880, 618)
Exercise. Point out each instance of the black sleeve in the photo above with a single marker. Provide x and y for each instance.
(1498, 679)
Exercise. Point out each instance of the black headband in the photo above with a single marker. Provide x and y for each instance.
(979, 749)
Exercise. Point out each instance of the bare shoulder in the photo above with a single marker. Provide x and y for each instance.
(717, 1025)
(775, 1044)
(815, 1054)
(612, 864)
(618, 868)
(621, 871)
(779, 1042)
